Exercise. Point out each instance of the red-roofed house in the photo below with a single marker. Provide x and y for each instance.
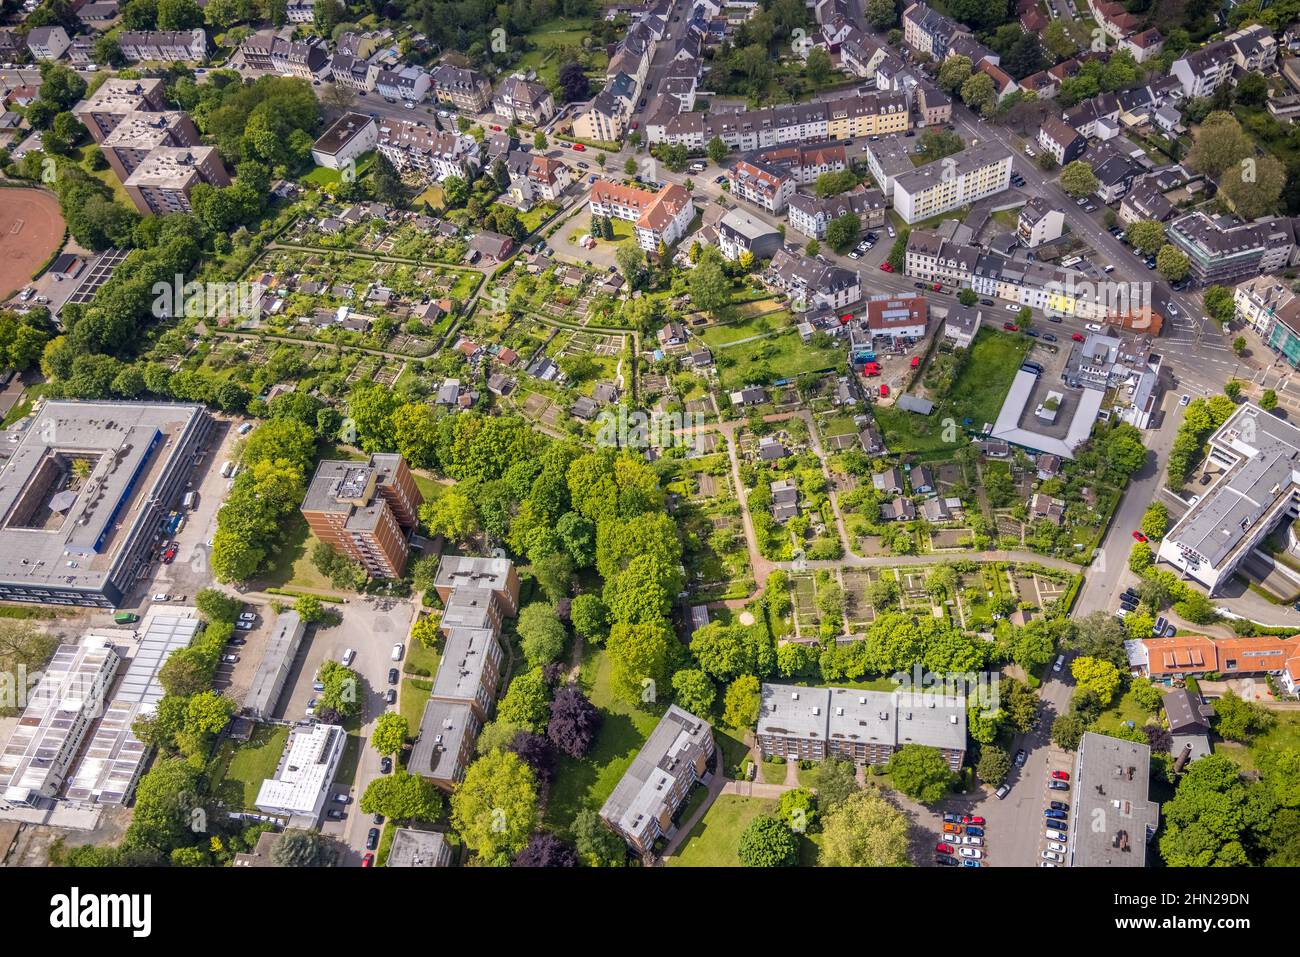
(1193, 655)
(904, 317)
(661, 217)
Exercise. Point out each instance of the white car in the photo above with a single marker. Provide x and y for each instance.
(974, 853)
(1056, 846)
(397, 651)
(348, 655)
(1093, 327)
(1060, 662)
(1047, 864)
(247, 616)
(972, 841)
(162, 596)
(1052, 835)
(1012, 307)
(1184, 399)
(1053, 856)
(1171, 309)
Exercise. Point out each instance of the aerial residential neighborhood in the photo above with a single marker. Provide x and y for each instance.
(669, 433)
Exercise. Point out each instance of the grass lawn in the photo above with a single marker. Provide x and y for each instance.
(1284, 735)
(713, 841)
(589, 781)
(293, 566)
(782, 356)
(347, 772)
(240, 767)
(977, 395)
(412, 698)
(1123, 711)
(746, 328)
(420, 660)
(773, 773)
(551, 40)
(328, 178)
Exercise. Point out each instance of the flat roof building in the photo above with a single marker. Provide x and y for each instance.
(83, 496)
(444, 746)
(274, 667)
(164, 179)
(59, 712)
(865, 727)
(1111, 784)
(110, 766)
(412, 848)
(365, 510)
(303, 778)
(115, 99)
(677, 756)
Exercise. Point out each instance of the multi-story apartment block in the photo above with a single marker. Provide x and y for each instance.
(1095, 117)
(1145, 201)
(353, 72)
(928, 32)
(1257, 488)
(805, 162)
(678, 755)
(1113, 18)
(974, 173)
(1269, 306)
(115, 99)
(498, 575)
(444, 745)
(365, 510)
(410, 84)
(305, 59)
(184, 46)
(868, 114)
(414, 146)
(1143, 46)
(933, 106)
(811, 282)
(864, 727)
(351, 135)
(535, 176)
(300, 11)
(661, 217)
(888, 158)
(740, 233)
(1039, 222)
(810, 215)
(163, 180)
(48, 43)
(1226, 250)
(138, 134)
(471, 668)
(765, 186)
(1112, 787)
(1061, 140)
(523, 100)
(466, 90)
(606, 120)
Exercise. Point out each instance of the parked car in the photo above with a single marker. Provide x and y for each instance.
(334, 814)
(943, 848)
(244, 625)
(386, 765)
(1060, 775)
(162, 596)
(1056, 846)
(397, 651)
(1056, 815)
(1077, 337)
(348, 656)
(393, 676)
(1053, 856)
(945, 861)
(951, 828)
(247, 616)
(972, 840)
(230, 659)
(1138, 536)
(1184, 399)
(975, 831)
(971, 864)
(1052, 834)
(368, 860)
(1058, 785)
(311, 706)
(950, 818)
(1002, 791)
(1010, 327)
(1021, 755)
(972, 852)
(390, 696)
(342, 799)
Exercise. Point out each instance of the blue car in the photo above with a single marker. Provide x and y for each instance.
(950, 818)
(974, 830)
(1059, 806)
(1055, 814)
(971, 864)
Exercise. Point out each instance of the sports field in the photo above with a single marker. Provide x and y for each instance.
(31, 228)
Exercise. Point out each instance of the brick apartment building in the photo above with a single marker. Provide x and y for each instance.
(139, 134)
(365, 510)
(116, 99)
(164, 179)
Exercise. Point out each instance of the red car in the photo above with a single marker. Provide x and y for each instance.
(169, 555)
(885, 267)
(368, 859)
(884, 391)
(916, 362)
(495, 128)
(943, 848)
(579, 148)
(1077, 337)
(846, 318)
(871, 368)
(1060, 775)
(1010, 327)
(1139, 536)
(937, 286)
(972, 819)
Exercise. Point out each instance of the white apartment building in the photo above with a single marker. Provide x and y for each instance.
(954, 181)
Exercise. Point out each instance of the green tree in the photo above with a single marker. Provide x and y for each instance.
(741, 702)
(528, 701)
(1155, 521)
(1146, 235)
(596, 844)
(920, 772)
(1239, 720)
(390, 733)
(403, 797)
(299, 848)
(694, 691)
(1067, 731)
(494, 810)
(994, 765)
(542, 635)
(1171, 263)
(716, 148)
(1077, 179)
(767, 842)
(863, 830)
(954, 72)
(1097, 676)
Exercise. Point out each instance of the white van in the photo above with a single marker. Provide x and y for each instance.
(227, 468)
(348, 655)
(1060, 663)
